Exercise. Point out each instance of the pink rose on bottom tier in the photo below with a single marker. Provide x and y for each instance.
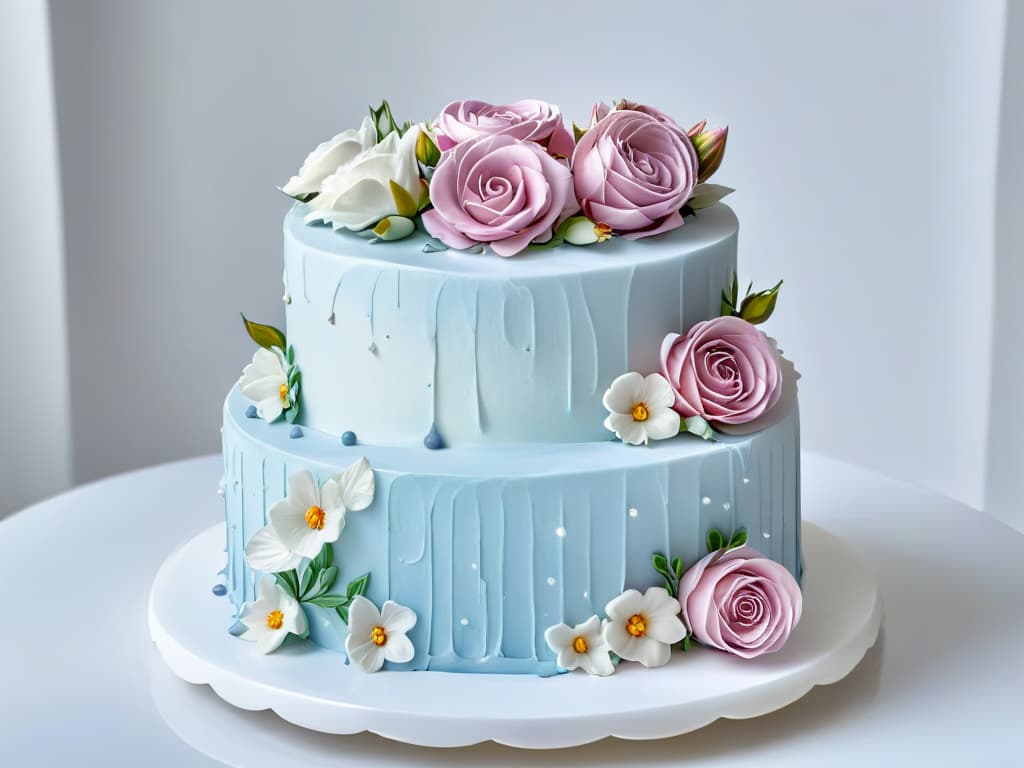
(499, 191)
(723, 370)
(740, 602)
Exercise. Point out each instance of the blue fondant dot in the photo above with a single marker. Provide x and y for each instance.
(219, 590)
(250, 412)
(348, 438)
(296, 432)
(433, 440)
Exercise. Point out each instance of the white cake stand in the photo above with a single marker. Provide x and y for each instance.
(314, 688)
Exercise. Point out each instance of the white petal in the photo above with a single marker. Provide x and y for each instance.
(367, 655)
(559, 637)
(666, 629)
(624, 606)
(624, 393)
(397, 618)
(271, 641)
(334, 524)
(262, 387)
(650, 652)
(363, 616)
(663, 424)
(568, 658)
(597, 662)
(266, 552)
(290, 524)
(658, 392)
(627, 429)
(398, 648)
(357, 485)
(302, 490)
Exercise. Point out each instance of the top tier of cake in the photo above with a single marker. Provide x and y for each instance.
(394, 341)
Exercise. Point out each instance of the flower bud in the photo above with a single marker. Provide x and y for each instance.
(697, 129)
(394, 228)
(758, 307)
(426, 150)
(579, 230)
(710, 146)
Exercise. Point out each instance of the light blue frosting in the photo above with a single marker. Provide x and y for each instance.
(392, 340)
(492, 545)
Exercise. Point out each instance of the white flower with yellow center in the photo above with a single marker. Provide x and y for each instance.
(640, 408)
(272, 618)
(378, 636)
(265, 382)
(644, 627)
(309, 517)
(582, 646)
(329, 157)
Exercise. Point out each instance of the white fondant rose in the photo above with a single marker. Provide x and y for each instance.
(272, 618)
(328, 157)
(309, 517)
(358, 194)
(643, 627)
(265, 382)
(378, 636)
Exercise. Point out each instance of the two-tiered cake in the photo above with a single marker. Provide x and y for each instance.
(462, 462)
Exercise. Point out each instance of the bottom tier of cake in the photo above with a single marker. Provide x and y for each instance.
(491, 546)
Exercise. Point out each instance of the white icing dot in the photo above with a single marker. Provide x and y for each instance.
(586, 595)
(726, 505)
(551, 581)
(706, 500)
(766, 535)
(464, 621)
(746, 481)
(633, 512)
(560, 532)
(473, 566)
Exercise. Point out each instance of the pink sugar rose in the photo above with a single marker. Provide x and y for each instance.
(654, 112)
(633, 173)
(741, 602)
(724, 370)
(500, 191)
(527, 120)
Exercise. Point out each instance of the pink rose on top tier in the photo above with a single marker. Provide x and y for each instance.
(723, 370)
(740, 602)
(654, 112)
(499, 191)
(527, 120)
(634, 173)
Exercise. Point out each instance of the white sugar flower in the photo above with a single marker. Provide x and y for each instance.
(581, 646)
(273, 617)
(378, 636)
(265, 382)
(328, 157)
(644, 627)
(309, 517)
(359, 193)
(640, 408)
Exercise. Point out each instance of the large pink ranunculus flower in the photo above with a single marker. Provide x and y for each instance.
(633, 173)
(527, 120)
(723, 370)
(741, 602)
(500, 191)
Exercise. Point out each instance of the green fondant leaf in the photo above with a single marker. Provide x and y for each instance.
(670, 587)
(324, 559)
(329, 601)
(328, 576)
(404, 202)
(739, 538)
(358, 586)
(290, 355)
(758, 307)
(660, 563)
(383, 120)
(306, 582)
(687, 643)
(292, 414)
(343, 612)
(289, 582)
(267, 336)
(716, 540)
(677, 567)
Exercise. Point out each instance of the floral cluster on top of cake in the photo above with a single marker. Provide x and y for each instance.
(511, 178)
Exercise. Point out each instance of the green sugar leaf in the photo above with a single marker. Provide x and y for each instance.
(660, 563)
(358, 586)
(324, 558)
(267, 336)
(289, 582)
(677, 567)
(329, 601)
(716, 540)
(739, 538)
(343, 612)
(306, 582)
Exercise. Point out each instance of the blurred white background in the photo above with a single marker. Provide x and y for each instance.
(873, 145)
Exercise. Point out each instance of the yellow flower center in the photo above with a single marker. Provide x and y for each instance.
(637, 625)
(283, 392)
(603, 231)
(579, 645)
(379, 636)
(315, 518)
(640, 412)
(275, 619)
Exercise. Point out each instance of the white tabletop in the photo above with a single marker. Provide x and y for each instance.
(81, 684)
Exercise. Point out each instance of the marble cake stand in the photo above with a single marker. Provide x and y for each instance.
(313, 688)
